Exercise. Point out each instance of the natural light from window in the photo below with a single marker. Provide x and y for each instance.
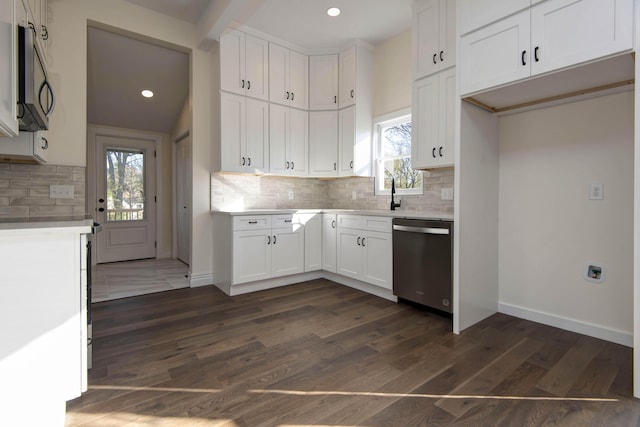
(393, 156)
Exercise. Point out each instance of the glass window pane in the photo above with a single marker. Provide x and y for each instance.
(400, 169)
(396, 140)
(125, 185)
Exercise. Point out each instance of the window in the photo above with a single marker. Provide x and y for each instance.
(393, 156)
(125, 185)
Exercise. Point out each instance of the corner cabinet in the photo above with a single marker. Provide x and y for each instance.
(8, 69)
(433, 118)
(244, 134)
(549, 36)
(434, 36)
(323, 143)
(244, 65)
(323, 82)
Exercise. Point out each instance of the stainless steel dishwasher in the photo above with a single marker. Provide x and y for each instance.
(423, 262)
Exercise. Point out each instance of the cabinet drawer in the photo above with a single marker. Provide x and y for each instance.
(284, 221)
(377, 223)
(257, 222)
(349, 221)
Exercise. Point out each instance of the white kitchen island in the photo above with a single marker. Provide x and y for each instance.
(43, 319)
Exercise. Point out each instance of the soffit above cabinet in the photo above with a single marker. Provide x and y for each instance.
(605, 76)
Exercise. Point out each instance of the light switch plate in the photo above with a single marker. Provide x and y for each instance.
(61, 191)
(596, 191)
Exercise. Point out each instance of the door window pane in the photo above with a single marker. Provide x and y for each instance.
(125, 185)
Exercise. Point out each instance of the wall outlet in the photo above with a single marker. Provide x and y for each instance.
(61, 191)
(354, 195)
(290, 193)
(446, 194)
(596, 191)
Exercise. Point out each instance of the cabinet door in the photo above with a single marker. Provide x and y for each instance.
(299, 80)
(313, 242)
(329, 241)
(446, 117)
(447, 34)
(257, 136)
(41, 146)
(424, 117)
(278, 74)
(232, 62)
(377, 259)
(278, 133)
(347, 82)
(478, 13)
(232, 132)
(496, 54)
(298, 142)
(323, 82)
(251, 255)
(8, 70)
(426, 17)
(346, 140)
(256, 69)
(349, 257)
(287, 248)
(569, 32)
(323, 143)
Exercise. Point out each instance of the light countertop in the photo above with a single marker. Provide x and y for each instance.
(386, 213)
(47, 222)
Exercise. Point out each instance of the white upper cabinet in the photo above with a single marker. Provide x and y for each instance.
(323, 82)
(549, 36)
(8, 70)
(475, 14)
(348, 74)
(244, 133)
(434, 36)
(433, 117)
(244, 63)
(288, 140)
(323, 143)
(288, 77)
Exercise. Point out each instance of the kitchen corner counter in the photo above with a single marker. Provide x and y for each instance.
(386, 213)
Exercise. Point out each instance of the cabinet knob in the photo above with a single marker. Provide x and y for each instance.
(535, 53)
(523, 54)
(101, 200)
(100, 209)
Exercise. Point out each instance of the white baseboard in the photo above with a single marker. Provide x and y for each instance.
(197, 280)
(614, 335)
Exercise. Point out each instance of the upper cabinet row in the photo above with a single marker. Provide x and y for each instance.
(539, 38)
(433, 36)
(254, 67)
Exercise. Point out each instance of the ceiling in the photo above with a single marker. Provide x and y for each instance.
(119, 67)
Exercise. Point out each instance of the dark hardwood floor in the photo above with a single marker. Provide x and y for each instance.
(321, 354)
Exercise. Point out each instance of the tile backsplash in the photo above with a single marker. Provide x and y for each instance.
(230, 192)
(24, 191)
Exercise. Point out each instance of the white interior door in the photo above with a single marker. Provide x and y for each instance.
(183, 199)
(125, 198)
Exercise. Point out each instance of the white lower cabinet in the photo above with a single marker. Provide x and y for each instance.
(266, 246)
(312, 241)
(329, 248)
(364, 249)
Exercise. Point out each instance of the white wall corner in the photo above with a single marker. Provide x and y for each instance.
(597, 331)
(198, 280)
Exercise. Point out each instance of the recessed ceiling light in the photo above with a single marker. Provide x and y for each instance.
(147, 93)
(333, 11)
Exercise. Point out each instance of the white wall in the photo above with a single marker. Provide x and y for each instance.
(68, 72)
(549, 229)
(392, 75)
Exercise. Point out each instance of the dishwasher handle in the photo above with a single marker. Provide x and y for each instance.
(421, 230)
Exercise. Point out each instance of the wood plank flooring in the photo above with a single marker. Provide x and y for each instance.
(321, 354)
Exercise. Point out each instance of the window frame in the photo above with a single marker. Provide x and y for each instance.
(379, 123)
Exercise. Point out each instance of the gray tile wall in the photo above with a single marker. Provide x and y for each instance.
(269, 192)
(24, 191)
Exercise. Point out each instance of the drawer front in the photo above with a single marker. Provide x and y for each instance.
(377, 223)
(349, 221)
(284, 221)
(257, 222)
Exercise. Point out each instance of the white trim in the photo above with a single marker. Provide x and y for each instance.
(361, 286)
(197, 280)
(614, 335)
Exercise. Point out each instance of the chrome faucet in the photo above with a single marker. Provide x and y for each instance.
(394, 205)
